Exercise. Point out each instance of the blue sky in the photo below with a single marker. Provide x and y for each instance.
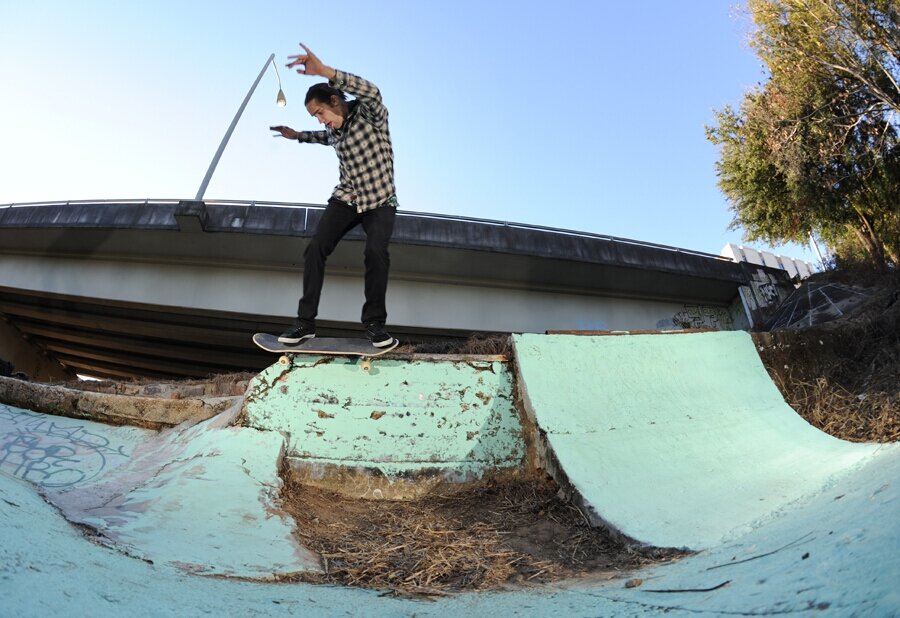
(586, 115)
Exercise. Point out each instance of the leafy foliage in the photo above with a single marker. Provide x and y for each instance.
(815, 149)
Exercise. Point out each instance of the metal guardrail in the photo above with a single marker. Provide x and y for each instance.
(401, 213)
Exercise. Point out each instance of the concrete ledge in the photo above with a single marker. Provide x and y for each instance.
(430, 420)
(149, 412)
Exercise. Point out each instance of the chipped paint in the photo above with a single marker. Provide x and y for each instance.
(455, 419)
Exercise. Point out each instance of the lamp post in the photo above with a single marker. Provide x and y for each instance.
(279, 100)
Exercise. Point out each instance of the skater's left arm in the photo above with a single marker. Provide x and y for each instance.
(365, 91)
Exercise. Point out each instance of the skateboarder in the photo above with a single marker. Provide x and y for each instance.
(365, 194)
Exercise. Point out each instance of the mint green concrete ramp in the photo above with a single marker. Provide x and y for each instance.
(200, 498)
(677, 440)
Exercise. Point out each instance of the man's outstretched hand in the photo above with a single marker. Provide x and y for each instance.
(285, 132)
(310, 64)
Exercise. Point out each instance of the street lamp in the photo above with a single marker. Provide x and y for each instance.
(280, 100)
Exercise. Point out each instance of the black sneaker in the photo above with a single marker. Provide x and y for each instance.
(297, 333)
(377, 335)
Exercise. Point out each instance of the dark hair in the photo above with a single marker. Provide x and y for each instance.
(323, 93)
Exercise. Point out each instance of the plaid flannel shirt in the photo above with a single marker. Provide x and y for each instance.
(363, 146)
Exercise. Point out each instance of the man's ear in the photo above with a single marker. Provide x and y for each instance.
(335, 101)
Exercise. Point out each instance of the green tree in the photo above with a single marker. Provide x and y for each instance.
(815, 149)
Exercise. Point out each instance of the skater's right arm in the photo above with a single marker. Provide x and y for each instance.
(307, 137)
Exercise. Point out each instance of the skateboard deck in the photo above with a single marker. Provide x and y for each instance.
(323, 345)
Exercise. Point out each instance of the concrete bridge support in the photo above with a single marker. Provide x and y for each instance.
(27, 357)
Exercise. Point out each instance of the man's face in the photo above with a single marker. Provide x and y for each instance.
(326, 113)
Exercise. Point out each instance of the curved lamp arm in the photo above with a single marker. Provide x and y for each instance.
(280, 101)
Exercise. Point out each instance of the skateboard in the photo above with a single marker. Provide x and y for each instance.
(323, 345)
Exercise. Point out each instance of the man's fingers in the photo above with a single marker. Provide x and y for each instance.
(303, 59)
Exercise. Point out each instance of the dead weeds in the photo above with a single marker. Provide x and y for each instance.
(844, 376)
(479, 344)
(476, 536)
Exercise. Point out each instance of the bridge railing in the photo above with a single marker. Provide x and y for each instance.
(400, 213)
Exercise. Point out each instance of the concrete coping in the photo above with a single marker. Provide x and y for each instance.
(140, 411)
(453, 358)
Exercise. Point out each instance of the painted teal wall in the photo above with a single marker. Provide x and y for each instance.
(399, 418)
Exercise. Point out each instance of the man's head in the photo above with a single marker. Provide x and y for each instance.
(327, 105)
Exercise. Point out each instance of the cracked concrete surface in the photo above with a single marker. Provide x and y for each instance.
(199, 496)
(837, 554)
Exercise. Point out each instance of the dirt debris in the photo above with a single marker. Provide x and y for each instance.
(477, 536)
(476, 345)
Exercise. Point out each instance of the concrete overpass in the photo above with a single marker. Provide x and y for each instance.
(167, 288)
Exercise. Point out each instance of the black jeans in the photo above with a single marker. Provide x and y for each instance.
(340, 218)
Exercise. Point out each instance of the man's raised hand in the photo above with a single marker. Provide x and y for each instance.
(310, 64)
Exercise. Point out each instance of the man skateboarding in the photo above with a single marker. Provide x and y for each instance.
(365, 195)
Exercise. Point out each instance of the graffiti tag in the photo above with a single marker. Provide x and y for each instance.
(43, 451)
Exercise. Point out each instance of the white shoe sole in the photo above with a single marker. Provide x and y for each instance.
(294, 340)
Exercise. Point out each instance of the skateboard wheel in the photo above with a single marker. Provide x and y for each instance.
(366, 365)
(284, 360)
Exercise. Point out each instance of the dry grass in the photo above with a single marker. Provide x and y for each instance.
(844, 377)
(466, 537)
(490, 345)
(837, 411)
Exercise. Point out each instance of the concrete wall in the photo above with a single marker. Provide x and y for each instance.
(416, 303)
(393, 430)
(28, 358)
